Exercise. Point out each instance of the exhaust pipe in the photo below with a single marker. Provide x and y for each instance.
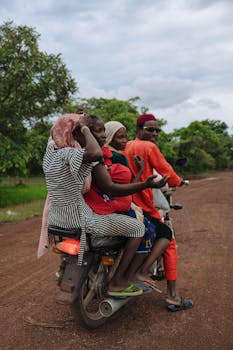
(109, 306)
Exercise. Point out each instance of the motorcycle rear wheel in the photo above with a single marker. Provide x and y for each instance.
(86, 307)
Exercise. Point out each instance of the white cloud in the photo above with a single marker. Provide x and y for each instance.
(175, 55)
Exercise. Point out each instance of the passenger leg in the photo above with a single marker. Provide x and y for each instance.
(119, 280)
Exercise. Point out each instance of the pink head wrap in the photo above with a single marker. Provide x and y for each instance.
(141, 119)
(62, 130)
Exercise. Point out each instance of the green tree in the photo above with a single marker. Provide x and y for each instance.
(33, 86)
(37, 141)
(125, 112)
(205, 143)
(165, 143)
(13, 157)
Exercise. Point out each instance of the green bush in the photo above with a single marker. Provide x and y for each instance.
(11, 194)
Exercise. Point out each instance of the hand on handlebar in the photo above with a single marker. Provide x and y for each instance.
(150, 181)
(184, 182)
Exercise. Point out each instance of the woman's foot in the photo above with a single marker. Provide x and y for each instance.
(176, 300)
(130, 291)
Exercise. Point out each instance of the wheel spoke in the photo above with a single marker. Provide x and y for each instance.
(90, 295)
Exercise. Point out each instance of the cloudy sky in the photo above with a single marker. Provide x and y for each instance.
(176, 55)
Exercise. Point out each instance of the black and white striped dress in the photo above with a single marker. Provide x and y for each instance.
(65, 174)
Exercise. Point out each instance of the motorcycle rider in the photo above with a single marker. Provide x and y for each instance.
(66, 166)
(146, 132)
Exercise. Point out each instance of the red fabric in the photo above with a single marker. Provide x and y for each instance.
(170, 258)
(62, 130)
(101, 203)
(120, 173)
(153, 159)
(141, 119)
(107, 154)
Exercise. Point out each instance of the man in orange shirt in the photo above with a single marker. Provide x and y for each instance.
(144, 146)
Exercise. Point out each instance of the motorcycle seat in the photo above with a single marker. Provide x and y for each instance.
(107, 242)
(65, 232)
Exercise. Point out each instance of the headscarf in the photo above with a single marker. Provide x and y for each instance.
(62, 135)
(62, 130)
(110, 129)
(141, 119)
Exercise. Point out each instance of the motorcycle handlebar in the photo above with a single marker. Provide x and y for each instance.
(185, 182)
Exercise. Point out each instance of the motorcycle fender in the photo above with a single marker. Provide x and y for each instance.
(74, 275)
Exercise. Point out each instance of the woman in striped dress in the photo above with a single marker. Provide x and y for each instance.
(66, 167)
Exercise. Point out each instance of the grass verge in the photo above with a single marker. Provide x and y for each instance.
(21, 211)
(20, 202)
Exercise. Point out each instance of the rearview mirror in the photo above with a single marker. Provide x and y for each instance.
(181, 163)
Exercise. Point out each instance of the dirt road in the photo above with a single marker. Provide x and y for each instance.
(31, 319)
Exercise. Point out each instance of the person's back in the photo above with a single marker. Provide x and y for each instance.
(65, 189)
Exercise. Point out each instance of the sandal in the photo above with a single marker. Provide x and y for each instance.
(184, 305)
(130, 291)
(150, 283)
(145, 288)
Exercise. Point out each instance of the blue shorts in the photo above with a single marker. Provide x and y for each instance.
(149, 237)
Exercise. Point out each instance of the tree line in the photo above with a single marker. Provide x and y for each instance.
(35, 87)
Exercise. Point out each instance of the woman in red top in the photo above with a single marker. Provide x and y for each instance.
(103, 204)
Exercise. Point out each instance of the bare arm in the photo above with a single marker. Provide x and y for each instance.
(139, 161)
(104, 182)
(93, 151)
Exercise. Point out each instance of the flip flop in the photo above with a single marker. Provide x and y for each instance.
(150, 283)
(184, 305)
(130, 291)
(145, 288)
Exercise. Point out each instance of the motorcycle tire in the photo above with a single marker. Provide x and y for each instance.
(86, 306)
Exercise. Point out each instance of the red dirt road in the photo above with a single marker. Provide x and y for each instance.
(31, 319)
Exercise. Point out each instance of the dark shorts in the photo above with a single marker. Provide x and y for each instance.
(154, 230)
(162, 230)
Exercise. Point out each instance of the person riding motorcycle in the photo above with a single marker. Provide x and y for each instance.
(66, 167)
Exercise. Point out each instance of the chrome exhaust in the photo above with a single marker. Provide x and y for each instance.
(109, 306)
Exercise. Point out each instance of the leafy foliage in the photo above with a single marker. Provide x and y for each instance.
(33, 86)
(206, 144)
(37, 141)
(113, 109)
(13, 157)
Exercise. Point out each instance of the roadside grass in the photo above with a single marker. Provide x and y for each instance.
(20, 202)
(21, 211)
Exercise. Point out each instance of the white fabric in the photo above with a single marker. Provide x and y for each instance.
(110, 129)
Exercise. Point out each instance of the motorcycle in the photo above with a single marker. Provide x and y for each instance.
(84, 287)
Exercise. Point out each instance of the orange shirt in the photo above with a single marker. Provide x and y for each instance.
(153, 159)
